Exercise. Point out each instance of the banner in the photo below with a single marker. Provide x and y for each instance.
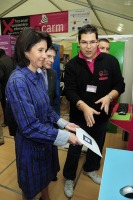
(14, 25)
(57, 22)
(51, 22)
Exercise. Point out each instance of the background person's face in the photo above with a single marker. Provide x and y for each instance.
(88, 45)
(104, 47)
(48, 62)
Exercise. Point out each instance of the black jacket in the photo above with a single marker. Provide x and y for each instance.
(51, 75)
(0, 93)
(6, 68)
(106, 77)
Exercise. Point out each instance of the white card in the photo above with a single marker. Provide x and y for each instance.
(87, 140)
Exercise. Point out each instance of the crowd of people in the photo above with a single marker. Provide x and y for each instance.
(92, 81)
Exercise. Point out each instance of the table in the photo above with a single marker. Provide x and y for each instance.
(126, 125)
(117, 173)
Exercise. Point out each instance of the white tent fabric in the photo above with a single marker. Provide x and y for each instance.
(110, 17)
(106, 15)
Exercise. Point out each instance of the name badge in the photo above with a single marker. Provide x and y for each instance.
(91, 88)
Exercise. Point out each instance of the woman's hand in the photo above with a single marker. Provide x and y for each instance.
(73, 139)
(71, 127)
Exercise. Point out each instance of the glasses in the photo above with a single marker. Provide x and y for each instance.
(85, 43)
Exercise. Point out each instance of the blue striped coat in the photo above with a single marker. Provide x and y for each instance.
(36, 133)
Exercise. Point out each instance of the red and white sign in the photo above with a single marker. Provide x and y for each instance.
(51, 22)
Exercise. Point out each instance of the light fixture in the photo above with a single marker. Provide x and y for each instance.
(120, 27)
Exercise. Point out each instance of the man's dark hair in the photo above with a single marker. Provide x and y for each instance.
(104, 40)
(54, 48)
(26, 40)
(87, 29)
(2, 52)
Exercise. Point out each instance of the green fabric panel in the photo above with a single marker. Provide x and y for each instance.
(117, 50)
(75, 49)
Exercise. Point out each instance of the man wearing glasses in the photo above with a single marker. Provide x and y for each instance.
(92, 80)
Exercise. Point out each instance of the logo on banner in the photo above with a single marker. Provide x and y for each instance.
(44, 19)
(51, 22)
(48, 27)
(13, 26)
(7, 26)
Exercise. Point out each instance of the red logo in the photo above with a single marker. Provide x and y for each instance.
(8, 26)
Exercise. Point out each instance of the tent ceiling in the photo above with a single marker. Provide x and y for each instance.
(114, 17)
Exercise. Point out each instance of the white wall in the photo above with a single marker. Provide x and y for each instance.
(126, 97)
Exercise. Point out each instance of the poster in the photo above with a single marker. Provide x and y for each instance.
(77, 19)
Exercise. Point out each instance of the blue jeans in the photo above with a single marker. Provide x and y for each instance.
(92, 162)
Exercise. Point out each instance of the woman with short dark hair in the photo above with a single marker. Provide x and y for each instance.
(36, 133)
